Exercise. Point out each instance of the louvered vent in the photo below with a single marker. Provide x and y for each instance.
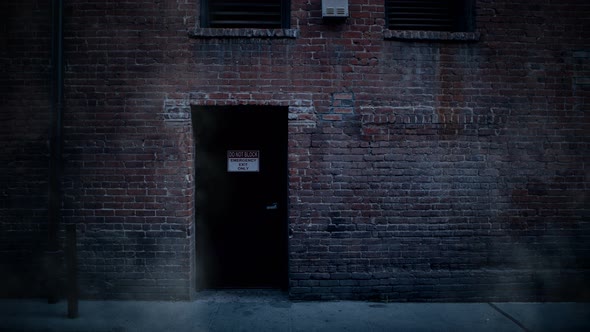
(245, 14)
(335, 8)
(442, 15)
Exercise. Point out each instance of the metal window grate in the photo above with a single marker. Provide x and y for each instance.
(245, 14)
(441, 15)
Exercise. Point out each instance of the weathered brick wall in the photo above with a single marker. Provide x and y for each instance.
(419, 169)
(460, 172)
(25, 32)
(129, 167)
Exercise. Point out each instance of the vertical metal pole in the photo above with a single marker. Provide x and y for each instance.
(72, 266)
(53, 266)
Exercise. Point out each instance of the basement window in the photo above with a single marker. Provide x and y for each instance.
(256, 14)
(430, 20)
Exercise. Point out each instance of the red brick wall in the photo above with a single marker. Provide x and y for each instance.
(419, 169)
(129, 171)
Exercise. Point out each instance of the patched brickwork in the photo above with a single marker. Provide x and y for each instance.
(422, 166)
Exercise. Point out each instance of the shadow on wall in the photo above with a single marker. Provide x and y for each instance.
(546, 267)
(25, 273)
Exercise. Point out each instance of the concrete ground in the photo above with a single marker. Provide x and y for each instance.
(268, 311)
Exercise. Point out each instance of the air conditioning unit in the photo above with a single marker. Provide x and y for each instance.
(334, 8)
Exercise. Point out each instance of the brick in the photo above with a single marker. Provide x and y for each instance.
(407, 179)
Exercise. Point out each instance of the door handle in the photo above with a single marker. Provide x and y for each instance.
(273, 206)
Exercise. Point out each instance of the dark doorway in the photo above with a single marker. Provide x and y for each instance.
(241, 196)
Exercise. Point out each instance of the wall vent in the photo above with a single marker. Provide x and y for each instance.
(335, 8)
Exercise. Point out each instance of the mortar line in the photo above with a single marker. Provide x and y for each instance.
(507, 315)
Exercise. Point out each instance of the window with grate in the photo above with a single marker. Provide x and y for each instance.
(427, 15)
(264, 14)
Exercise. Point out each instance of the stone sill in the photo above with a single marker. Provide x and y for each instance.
(243, 33)
(413, 35)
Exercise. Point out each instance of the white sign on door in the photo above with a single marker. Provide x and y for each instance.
(243, 161)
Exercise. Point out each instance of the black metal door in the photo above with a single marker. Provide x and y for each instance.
(241, 204)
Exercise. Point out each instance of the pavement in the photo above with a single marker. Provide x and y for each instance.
(273, 311)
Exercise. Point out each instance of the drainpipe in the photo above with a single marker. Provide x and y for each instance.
(55, 159)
